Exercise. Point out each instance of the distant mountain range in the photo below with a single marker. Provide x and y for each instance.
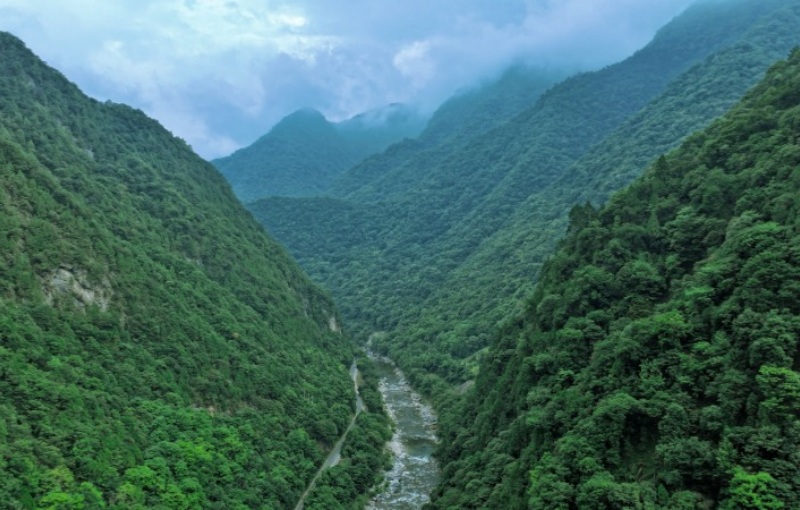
(304, 153)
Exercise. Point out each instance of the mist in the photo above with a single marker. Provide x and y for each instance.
(220, 73)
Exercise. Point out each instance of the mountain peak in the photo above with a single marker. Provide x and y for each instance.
(305, 152)
(302, 118)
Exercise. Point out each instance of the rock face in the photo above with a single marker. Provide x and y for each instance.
(333, 325)
(71, 283)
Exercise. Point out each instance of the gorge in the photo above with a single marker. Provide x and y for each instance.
(586, 287)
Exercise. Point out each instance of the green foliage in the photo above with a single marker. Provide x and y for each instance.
(752, 492)
(348, 485)
(444, 236)
(157, 350)
(655, 364)
(304, 153)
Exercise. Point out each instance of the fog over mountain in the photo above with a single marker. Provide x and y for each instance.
(220, 73)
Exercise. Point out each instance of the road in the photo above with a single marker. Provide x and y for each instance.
(335, 454)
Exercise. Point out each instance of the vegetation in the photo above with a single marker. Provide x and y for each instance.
(349, 485)
(444, 236)
(304, 153)
(655, 365)
(514, 253)
(157, 350)
(455, 123)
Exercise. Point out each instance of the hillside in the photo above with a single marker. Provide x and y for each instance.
(513, 253)
(157, 349)
(304, 153)
(655, 365)
(460, 119)
(443, 246)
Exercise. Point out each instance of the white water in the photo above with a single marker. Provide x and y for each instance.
(415, 472)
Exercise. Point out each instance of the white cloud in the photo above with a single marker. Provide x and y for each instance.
(415, 63)
(288, 20)
(221, 72)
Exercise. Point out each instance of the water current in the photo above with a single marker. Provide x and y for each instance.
(415, 472)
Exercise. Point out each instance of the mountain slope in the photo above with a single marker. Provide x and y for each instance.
(514, 252)
(596, 101)
(656, 364)
(156, 348)
(441, 261)
(460, 119)
(304, 153)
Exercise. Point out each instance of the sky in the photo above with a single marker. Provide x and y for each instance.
(220, 73)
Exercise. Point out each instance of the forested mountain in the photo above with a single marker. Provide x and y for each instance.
(513, 254)
(442, 246)
(304, 153)
(466, 115)
(656, 364)
(157, 349)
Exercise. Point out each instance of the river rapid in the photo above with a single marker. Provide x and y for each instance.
(415, 472)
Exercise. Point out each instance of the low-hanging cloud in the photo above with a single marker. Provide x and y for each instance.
(219, 73)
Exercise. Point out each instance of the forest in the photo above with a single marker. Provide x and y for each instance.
(655, 365)
(594, 279)
(157, 349)
(450, 238)
(444, 235)
(304, 153)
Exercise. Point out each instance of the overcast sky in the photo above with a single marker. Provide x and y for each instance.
(220, 73)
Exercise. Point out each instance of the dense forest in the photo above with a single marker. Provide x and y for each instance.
(305, 153)
(595, 279)
(655, 365)
(444, 235)
(157, 349)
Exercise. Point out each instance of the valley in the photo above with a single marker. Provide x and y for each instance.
(558, 289)
(446, 236)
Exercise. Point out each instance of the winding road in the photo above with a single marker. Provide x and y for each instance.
(335, 455)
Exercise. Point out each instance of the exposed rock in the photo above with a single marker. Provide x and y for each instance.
(333, 325)
(70, 282)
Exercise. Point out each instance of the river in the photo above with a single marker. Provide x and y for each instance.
(415, 472)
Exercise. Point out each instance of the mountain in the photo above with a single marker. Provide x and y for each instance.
(656, 363)
(463, 117)
(514, 252)
(304, 153)
(157, 349)
(445, 245)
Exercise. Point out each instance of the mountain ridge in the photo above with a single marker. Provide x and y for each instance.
(305, 152)
(656, 360)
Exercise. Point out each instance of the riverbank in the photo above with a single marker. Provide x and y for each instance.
(354, 467)
(408, 476)
(414, 472)
(335, 454)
